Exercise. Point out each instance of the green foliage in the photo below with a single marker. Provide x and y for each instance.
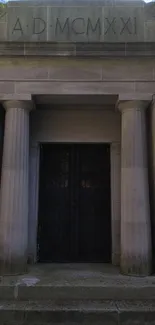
(2, 4)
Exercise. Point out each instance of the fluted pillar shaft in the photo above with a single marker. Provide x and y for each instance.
(135, 210)
(14, 189)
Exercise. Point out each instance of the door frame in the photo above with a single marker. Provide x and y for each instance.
(115, 169)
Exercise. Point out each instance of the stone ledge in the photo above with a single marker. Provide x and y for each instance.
(81, 305)
(42, 293)
(77, 49)
(63, 311)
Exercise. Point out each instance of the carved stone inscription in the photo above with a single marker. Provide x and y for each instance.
(74, 24)
(79, 26)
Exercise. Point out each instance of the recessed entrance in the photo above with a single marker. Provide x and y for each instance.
(74, 203)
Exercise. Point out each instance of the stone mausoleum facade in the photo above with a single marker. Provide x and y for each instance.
(77, 140)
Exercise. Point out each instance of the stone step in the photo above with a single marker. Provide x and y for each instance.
(90, 312)
(80, 292)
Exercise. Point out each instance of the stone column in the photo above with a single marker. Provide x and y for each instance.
(151, 136)
(14, 189)
(135, 211)
(116, 201)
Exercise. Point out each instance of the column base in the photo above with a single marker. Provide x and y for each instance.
(136, 266)
(18, 267)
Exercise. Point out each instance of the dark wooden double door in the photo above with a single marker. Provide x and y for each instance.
(74, 203)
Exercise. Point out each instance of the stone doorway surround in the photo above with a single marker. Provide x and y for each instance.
(15, 188)
(132, 96)
(115, 201)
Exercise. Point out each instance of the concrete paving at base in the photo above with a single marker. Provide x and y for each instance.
(76, 282)
(90, 312)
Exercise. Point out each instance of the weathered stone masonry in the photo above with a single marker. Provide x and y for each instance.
(52, 92)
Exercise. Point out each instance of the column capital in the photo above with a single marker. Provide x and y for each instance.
(132, 104)
(22, 104)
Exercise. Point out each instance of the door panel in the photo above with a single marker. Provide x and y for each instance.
(54, 211)
(74, 208)
(94, 203)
